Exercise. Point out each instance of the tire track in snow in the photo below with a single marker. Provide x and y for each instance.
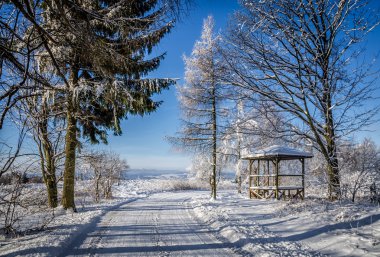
(159, 225)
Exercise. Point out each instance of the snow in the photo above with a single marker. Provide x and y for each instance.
(234, 219)
(179, 221)
(158, 225)
(276, 151)
(282, 228)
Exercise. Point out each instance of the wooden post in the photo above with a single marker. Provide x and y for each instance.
(268, 173)
(277, 168)
(272, 179)
(303, 178)
(250, 178)
(258, 173)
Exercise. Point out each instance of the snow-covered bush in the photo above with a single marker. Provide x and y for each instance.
(200, 168)
(19, 204)
(104, 169)
(360, 168)
(20, 199)
(183, 184)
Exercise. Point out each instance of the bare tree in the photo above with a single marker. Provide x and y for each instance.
(18, 50)
(302, 56)
(113, 172)
(360, 166)
(201, 100)
(251, 126)
(200, 167)
(41, 113)
(107, 168)
(9, 154)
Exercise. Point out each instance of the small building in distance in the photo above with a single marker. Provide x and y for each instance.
(267, 181)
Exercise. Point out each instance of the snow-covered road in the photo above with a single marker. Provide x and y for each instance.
(187, 223)
(159, 225)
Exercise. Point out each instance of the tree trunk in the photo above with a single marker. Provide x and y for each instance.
(239, 161)
(48, 174)
(329, 129)
(51, 181)
(353, 196)
(69, 172)
(97, 190)
(107, 189)
(238, 175)
(334, 181)
(48, 162)
(70, 148)
(332, 157)
(214, 126)
(213, 194)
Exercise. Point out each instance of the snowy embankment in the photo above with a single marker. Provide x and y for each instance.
(45, 232)
(279, 228)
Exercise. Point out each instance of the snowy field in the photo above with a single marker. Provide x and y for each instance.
(174, 217)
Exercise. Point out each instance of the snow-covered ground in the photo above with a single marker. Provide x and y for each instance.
(251, 227)
(45, 232)
(284, 228)
(158, 225)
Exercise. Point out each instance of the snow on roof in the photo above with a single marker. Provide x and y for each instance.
(277, 151)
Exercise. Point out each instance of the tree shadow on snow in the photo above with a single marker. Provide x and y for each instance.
(365, 221)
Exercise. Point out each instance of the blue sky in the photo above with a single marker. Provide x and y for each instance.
(143, 141)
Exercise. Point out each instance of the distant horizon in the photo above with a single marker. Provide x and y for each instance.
(160, 169)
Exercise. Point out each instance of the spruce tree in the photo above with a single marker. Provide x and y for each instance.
(102, 51)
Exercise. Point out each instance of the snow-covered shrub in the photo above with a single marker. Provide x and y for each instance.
(200, 168)
(11, 178)
(316, 179)
(360, 168)
(104, 169)
(23, 207)
(200, 173)
(184, 184)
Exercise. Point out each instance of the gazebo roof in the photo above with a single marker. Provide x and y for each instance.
(277, 152)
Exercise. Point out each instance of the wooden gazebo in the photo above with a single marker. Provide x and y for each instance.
(265, 178)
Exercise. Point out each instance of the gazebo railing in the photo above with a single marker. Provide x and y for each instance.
(266, 184)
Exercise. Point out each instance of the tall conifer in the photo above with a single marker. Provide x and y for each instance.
(201, 100)
(102, 51)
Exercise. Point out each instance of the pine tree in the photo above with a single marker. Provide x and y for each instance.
(99, 50)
